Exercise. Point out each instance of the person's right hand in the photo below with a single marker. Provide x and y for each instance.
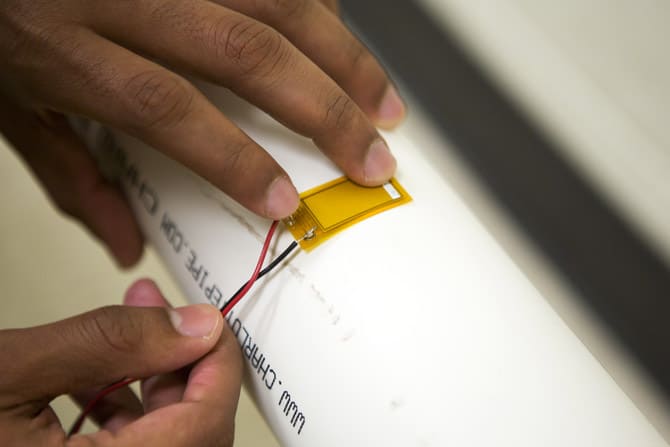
(293, 58)
(188, 358)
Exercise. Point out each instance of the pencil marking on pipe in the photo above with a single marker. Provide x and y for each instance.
(208, 193)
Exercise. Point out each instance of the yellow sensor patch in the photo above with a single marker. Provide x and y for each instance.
(330, 208)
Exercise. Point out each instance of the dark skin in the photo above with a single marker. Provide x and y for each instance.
(96, 58)
(189, 398)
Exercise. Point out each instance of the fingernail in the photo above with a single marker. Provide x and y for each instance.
(282, 199)
(197, 320)
(379, 163)
(391, 109)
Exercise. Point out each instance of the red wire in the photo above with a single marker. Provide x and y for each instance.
(257, 270)
(76, 426)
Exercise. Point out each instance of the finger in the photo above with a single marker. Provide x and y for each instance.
(145, 293)
(69, 175)
(209, 401)
(259, 64)
(103, 346)
(206, 414)
(25, 426)
(113, 85)
(115, 410)
(332, 5)
(122, 406)
(220, 373)
(162, 390)
(165, 389)
(322, 36)
(215, 382)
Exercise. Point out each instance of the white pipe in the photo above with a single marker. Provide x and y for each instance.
(412, 328)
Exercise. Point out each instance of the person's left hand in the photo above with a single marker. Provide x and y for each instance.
(123, 63)
(191, 356)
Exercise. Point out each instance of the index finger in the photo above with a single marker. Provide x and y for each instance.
(109, 83)
(260, 64)
(206, 414)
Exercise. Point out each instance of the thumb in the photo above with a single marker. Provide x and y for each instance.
(103, 346)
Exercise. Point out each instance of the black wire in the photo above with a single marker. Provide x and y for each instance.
(266, 270)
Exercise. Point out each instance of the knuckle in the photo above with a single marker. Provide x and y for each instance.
(340, 112)
(19, 28)
(72, 198)
(237, 158)
(162, 11)
(70, 210)
(32, 44)
(66, 204)
(359, 55)
(255, 48)
(290, 9)
(112, 328)
(364, 70)
(157, 99)
(69, 197)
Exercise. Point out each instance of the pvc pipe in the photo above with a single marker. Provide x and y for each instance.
(412, 328)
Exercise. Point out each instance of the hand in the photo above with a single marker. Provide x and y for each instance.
(190, 355)
(293, 58)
